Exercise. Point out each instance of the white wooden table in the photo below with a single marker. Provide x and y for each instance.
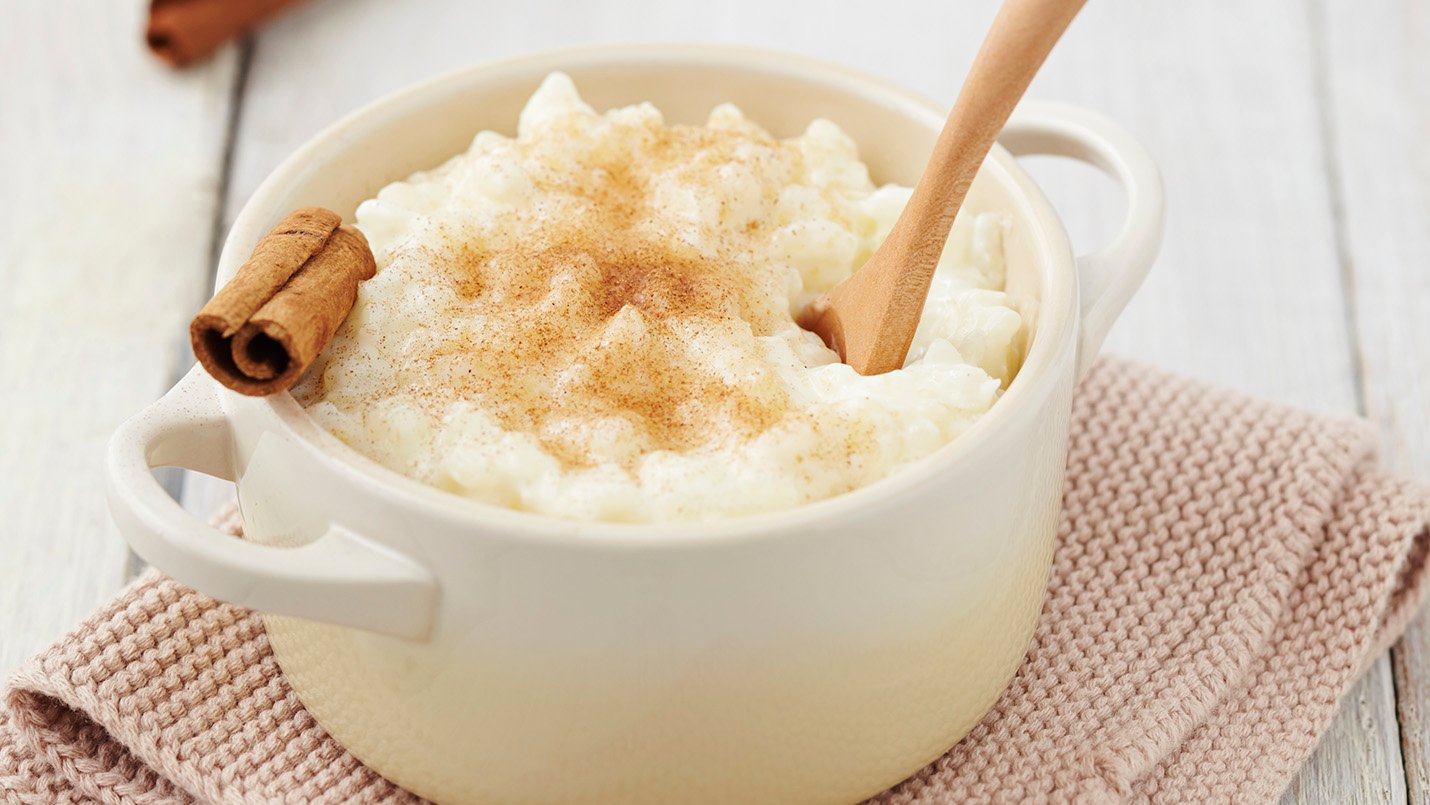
(1294, 135)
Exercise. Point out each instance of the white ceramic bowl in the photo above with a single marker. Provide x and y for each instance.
(475, 654)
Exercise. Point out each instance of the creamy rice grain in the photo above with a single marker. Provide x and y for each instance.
(595, 320)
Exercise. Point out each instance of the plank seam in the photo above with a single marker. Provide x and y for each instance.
(173, 480)
(1335, 190)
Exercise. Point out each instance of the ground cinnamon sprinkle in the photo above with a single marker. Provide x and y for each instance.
(598, 316)
(587, 317)
(594, 320)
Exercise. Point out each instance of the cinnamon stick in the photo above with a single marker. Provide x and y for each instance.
(262, 331)
(183, 31)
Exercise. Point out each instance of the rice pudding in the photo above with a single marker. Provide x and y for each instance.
(595, 320)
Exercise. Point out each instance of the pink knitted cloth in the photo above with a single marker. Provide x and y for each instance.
(1225, 571)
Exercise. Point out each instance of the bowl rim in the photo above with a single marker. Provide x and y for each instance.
(1052, 336)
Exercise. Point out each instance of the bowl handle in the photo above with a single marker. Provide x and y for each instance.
(341, 578)
(1107, 277)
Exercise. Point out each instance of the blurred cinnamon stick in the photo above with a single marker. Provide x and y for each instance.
(183, 31)
(262, 331)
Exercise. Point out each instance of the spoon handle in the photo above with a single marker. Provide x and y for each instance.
(1020, 39)
(870, 317)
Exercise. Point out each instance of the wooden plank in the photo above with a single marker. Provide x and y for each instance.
(111, 165)
(1248, 290)
(1378, 103)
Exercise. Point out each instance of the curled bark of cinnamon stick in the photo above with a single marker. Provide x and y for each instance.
(262, 331)
(183, 31)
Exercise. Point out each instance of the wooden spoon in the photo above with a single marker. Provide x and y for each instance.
(870, 318)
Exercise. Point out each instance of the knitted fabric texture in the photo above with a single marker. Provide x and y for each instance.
(1225, 570)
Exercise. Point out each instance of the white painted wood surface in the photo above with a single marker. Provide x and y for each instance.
(1294, 135)
(109, 165)
(1378, 105)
